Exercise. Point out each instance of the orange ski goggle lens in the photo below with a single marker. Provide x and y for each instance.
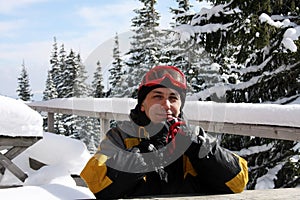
(159, 73)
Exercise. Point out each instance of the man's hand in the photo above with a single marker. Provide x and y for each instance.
(152, 156)
(179, 136)
(130, 161)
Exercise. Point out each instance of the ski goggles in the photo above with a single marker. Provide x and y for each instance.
(159, 73)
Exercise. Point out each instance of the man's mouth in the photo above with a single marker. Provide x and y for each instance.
(165, 116)
(170, 116)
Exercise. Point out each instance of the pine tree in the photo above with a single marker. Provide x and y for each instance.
(66, 88)
(257, 67)
(80, 88)
(92, 147)
(50, 90)
(55, 67)
(59, 73)
(23, 90)
(187, 55)
(97, 83)
(52, 82)
(86, 128)
(67, 78)
(180, 52)
(250, 49)
(182, 14)
(88, 131)
(116, 74)
(68, 75)
(145, 46)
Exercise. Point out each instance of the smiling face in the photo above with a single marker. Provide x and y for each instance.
(161, 104)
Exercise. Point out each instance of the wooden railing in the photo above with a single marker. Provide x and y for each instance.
(260, 120)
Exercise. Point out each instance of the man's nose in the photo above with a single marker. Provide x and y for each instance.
(166, 104)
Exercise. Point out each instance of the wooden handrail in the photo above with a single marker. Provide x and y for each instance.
(260, 120)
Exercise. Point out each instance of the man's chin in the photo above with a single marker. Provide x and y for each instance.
(159, 120)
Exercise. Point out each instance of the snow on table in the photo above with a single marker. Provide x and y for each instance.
(18, 119)
(63, 157)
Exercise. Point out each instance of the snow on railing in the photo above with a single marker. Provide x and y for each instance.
(260, 120)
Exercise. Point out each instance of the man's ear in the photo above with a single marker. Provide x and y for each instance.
(142, 108)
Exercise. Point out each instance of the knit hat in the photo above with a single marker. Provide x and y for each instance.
(166, 77)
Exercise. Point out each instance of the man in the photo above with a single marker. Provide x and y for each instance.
(157, 153)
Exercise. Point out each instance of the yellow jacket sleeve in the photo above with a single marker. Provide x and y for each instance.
(94, 173)
(239, 182)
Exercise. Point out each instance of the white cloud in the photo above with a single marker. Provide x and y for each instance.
(7, 28)
(11, 5)
(98, 15)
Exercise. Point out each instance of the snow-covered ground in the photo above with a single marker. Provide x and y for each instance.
(63, 157)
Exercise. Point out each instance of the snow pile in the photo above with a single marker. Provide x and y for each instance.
(17, 119)
(63, 157)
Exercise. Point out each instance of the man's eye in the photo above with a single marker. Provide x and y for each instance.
(173, 98)
(158, 97)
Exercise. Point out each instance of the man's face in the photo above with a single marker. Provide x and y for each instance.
(161, 104)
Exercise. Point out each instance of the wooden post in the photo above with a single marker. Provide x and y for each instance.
(50, 122)
(104, 126)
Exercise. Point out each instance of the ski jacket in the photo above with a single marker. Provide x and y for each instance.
(206, 168)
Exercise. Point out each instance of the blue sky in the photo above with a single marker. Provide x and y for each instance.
(27, 28)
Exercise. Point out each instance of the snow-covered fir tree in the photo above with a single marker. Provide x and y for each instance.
(50, 91)
(145, 46)
(92, 147)
(116, 70)
(66, 88)
(88, 130)
(80, 86)
(255, 45)
(55, 67)
(179, 52)
(68, 75)
(182, 14)
(187, 54)
(59, 77)
(84, 126)
(97, 82)
(66, 79)
(24, 90)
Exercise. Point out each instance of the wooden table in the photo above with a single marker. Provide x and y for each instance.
(14, 147)
(270, 194)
